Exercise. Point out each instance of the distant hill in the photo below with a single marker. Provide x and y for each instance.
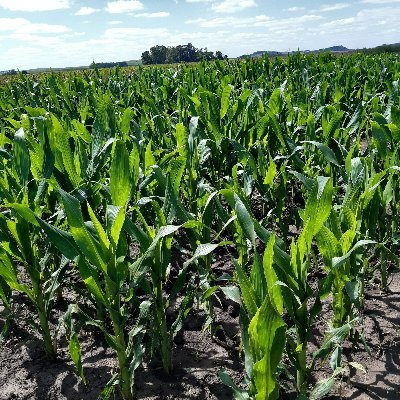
(390, 48)
(394, 47)
(83, 67)
(129, 63)
(333, 49)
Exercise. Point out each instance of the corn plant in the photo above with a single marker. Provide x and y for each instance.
(100, 252)
(293, 162)
(284, 287)
(23, 241)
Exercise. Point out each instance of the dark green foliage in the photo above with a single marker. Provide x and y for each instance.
(178, 54)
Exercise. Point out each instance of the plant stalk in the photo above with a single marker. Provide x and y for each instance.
(125, 378)
(48, 343)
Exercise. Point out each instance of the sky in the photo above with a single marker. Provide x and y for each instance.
(61, 33)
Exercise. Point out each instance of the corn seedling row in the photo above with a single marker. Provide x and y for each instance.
(133, 180)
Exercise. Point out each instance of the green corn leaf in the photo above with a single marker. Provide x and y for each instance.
(332, 126)
(380, 139)
(326, 151)
(75, 352)
(79, 231)
(99, 129)
(277, 130)
(126, 121)
(357, 171)
(232, 293)
(149, 159)
(333, 338)
(5, 299)
(120, 184)
(144, 314)
(274, 291)
(62, 142)
(267, 340)
(139, 267)
(134, 162)
(177, 169)
(318, 208)
(64, 241)
(105, 243)
(327, 243)
(271, 173)
(21, 157)
(108, 390)
(181, 140)
(238, 393)
(25, 212)
(225, 97)
(245, 219)
(8, 273)
(7, 270)
(207, 248)
(73, 345)
(249, 297)
(356, 120)
(91, 280)
(307, 182)
(203, 250)
(115, 222)
(322, 388)
(258, 278)
(339, 261)
(54, 282)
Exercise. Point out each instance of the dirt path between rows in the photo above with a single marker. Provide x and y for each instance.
(25, 373)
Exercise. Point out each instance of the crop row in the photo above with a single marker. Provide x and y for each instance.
(104, 175)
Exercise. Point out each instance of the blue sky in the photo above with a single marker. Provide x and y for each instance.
(59, 33)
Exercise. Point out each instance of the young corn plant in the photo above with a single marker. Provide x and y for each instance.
(5, 296)
(28, 263)
(101, 253)
(262, 325)
(155, 245)
(283, 279)
(152, 228)
(22, 241)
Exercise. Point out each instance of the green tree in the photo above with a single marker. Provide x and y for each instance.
(159, 54)
(146, 58)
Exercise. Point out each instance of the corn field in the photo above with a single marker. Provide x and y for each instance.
(290, 167)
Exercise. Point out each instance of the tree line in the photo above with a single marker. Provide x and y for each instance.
(175, 54)
(384, 48)
(108, 64)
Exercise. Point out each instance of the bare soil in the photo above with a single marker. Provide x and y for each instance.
(381, 379)
(25, 373)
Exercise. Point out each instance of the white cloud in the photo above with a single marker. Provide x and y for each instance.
(86, 11)
(379, 1)
(333, 7)
(382, 25)
(161, 14)
(259, 21)
(114, 22)
(9, 24)
(199, 1)
(294, 9)
(232, 6)
(339, 22)
(32, 5)
(122, 34)
(22, 27)
(31, 29)
(124, 6)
